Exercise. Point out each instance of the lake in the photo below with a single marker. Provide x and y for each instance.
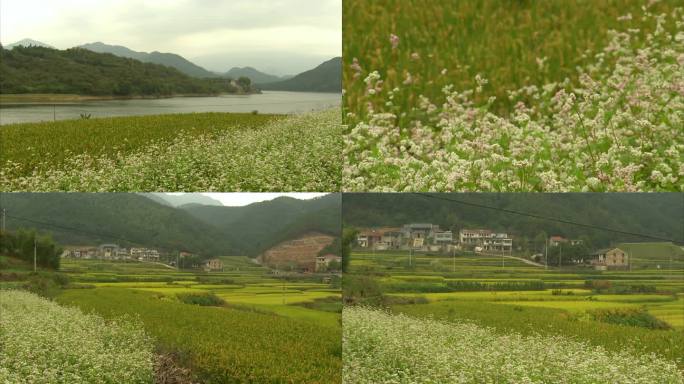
(267, 102)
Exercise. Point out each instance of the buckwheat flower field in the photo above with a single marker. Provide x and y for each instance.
(618, 127)
(380, 347)
(295, 153)
(42, 342)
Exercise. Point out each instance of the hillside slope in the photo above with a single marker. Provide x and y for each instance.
(653, 214)
(130, 219)
(168, 59)
(253, 74)
(326, 77)
(256, 227)
(81, 71)
(122, 218)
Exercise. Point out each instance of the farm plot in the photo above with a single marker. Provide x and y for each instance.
(224, 344)
(380, 347)
(43, 342)
(485, 96)
(239, 325)
(208, 152)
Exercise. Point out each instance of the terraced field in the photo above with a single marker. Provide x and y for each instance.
(638, 311)
(267, 329)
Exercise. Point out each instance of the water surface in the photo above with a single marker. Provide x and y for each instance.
(267, 102)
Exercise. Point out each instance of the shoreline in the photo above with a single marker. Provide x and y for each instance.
(40, 98)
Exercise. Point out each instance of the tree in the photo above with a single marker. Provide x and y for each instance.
(348, 239)
(245, 83)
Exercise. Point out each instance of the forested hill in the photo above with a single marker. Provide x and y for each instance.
(131, 219)
(326, 77)
(81, 71)
(658, 214)
(167, 59)
(257, 227)
(126, 219)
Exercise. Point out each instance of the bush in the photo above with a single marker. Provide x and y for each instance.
(203, 299)
(361, 290)
(633, 317)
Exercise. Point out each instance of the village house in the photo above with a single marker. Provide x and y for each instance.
(323, 261)
(380, 238)
(79, 252)
(145, 254)
(485, 240)
(108, 251)
(610, 258)
(213, 265)
(555, 241)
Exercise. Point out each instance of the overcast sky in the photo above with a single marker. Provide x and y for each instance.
(235, 199)
(281, 36)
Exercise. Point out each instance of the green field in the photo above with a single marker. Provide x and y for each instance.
(571, 302)
(262, 329)
(512, 95)
(179, 152)
(43, 342)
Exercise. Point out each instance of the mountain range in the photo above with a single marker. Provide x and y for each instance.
(177, 200)
(168, 59)
(327, 77)
(28, 43)
(151, 220)
(36, 70)
(255, 75)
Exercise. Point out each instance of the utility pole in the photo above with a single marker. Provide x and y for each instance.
(410, 254)
(35, 253)
(560, 255)
(546, 250)
(3, 219)
(454, 256)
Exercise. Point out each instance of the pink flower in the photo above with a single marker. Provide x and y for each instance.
(394, 40)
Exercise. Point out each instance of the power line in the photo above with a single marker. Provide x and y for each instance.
(536, 216)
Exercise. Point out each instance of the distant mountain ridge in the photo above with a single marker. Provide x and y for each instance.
(183, 199)
(131, 219)
(326, 77)
(28, 43)
(253, 74)
(168, 59)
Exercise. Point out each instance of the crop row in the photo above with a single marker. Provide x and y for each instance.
(380, 347)
(296, 153)
(225, 344)
(42, 342)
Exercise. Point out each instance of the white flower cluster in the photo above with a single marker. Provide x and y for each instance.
(297, 153)
(42, 342)
(620, 128)
(379, 347)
